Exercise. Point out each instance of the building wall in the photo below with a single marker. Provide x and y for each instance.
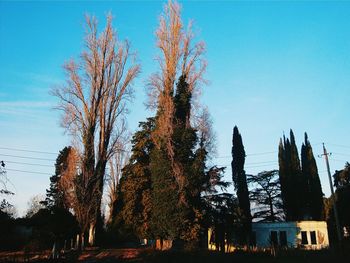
(263, 233)
(293, 232)
(321, 234)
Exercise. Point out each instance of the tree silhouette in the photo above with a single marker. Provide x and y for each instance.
(265, 192)
(240, 182)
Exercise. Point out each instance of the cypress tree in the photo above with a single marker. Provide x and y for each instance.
(185, 142)
(174, 213)
(300, 185)
(240, 183)
(296, 183)
(166, 214)
(314, 198)
(292, 187)
(283, 176)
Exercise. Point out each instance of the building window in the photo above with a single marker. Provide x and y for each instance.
(274, 240)
(313, 237)
(283, 238)
(304, 238)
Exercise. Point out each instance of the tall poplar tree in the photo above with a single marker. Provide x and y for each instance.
(314, 197)
(175, 213)
(175, 140)
(240, 182)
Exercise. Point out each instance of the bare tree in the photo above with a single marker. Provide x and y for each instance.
(5, 206)
(34, 205)
(116, 164)
(204, 124)
(178, 58)
(94, 104)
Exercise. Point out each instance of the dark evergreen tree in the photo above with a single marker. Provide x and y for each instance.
(266, 194)
(283, 176)
(175, 213)
(240, 182)
(342, 184)
(166, 213)
(55, 194)
(297, 185)
(221, 210)
(151, 201)
(185, 143)
(310, 177)
(301, 188)
(293, 187)
(134, 202)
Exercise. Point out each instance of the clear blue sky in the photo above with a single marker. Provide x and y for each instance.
(272, 66)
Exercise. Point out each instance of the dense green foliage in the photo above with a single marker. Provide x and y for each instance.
(300, 185)
(176, 205)
(314, 196)
(342, 184)
(240, 182)
(55, 194)
(135, 184)
(221, 211)
(291, 179)
(151, 202)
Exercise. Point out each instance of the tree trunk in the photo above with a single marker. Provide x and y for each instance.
(82, 241)
(92, 231)
(273, 219)
(77, 242)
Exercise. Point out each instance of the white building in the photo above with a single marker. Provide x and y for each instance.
(302, 234)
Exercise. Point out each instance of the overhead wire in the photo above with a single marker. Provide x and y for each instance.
(24, 171)
(249, 154)
(26, 157)
(343, 154)
(338, 145)
(23, 150)
(32, 164)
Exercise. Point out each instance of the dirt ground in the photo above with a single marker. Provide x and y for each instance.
(142, 255)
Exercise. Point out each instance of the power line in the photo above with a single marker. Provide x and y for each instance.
(263, 165)
(249, 154)
(252, 166)
(344, 154)
(339, 145)
(23, 150)
(24, 171)
(263, 153)
(26, 157)
(260, 162)
(338, 160)
(32, 164)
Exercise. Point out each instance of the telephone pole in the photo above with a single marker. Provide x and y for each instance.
(339, 232)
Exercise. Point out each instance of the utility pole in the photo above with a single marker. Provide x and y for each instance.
(339, 232)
